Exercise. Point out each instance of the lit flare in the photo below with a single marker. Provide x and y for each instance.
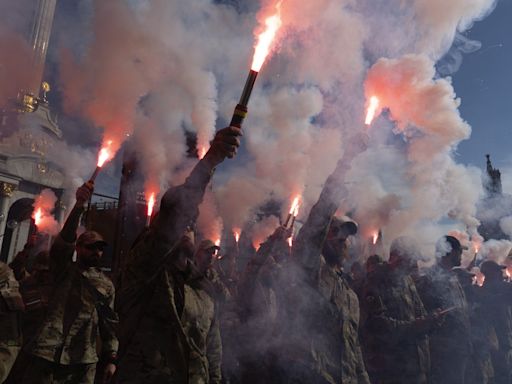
(105, 154)
(151, 204)
(375, 237)
(265, 39)
(38, 216)
(293, 212)
(294, 209)
(201, 152)
(372, 110)
(236, 233)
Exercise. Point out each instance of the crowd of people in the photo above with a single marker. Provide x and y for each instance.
(292, 315)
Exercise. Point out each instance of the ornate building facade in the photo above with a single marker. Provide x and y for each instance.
(28, 131)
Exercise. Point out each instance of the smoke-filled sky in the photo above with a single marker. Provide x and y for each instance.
(152, 69)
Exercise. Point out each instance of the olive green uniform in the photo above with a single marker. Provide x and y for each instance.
(79, 312)
(169, 331)
(450, 344)
(397, 349)
(11, 305)
(321, 325)
(496, 312)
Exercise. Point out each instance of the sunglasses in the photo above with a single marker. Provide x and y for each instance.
(95, 246)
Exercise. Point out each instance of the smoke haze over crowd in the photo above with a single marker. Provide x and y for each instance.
(151, 70)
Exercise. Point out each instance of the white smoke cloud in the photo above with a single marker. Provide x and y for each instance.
(44, 206)
(209, 223)
(160, 67)
(496, 250)
(506, 225)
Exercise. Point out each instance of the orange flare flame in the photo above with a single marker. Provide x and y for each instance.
(256, 243)
(290, 241)
(294, 210)
(151, 204)
(236, 233)
(38, 216)
(217, 243)
(263, 46)
(105, 154)
(375, 237)
(372, 110)
(479, 279)
(201, 151)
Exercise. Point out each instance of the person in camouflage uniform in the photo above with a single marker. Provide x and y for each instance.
(206, 259)
(169, 331)
(496, 303)
(36, 289)
(439, 289)
(11, 305)
(320, 334)
(396, 325)
(480, 369)
(258, 309)
(80, 311)
(203, 259)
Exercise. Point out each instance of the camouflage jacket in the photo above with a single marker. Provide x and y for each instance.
(169, 329)
(11, 305)
(169, 325)
(79, 311)
(397, 350)
(322, 307)
(496, 310)
(441, 289)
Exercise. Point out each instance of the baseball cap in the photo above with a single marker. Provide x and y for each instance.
(90, 237)
(343, 226)
(490, 266)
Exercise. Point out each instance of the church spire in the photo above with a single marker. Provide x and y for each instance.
(493, 182)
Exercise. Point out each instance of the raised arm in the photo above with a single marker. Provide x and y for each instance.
(179, 207)
(62, 249)
(310, 240)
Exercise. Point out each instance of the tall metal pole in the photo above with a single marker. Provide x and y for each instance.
(39, 40)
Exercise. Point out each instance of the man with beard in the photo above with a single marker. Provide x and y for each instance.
(79, 312)
(450, 344)
(169, 331)
(321, 338)
(396, 326)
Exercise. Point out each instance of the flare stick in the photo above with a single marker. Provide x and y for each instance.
(240, 111)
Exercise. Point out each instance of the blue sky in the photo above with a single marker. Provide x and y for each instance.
(484, 83)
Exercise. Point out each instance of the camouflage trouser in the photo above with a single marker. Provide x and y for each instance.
(7, 357)
(41, 371)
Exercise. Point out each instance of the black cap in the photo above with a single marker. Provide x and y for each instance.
(490, 266)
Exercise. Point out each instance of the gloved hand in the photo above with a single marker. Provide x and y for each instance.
(84, 193)
(225, 144)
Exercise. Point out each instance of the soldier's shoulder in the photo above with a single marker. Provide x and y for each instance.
(100, 281)
(5, 270)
